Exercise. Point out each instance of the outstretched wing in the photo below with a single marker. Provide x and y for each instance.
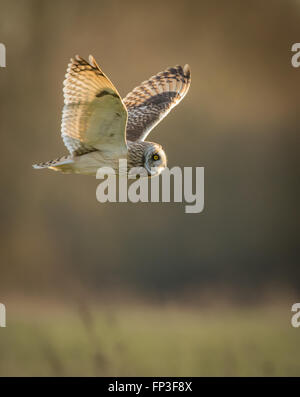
(94, 116)
(149, 103)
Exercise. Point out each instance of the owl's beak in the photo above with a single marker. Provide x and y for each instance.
(153, 171)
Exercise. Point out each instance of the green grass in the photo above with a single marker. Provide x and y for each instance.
(150, 341)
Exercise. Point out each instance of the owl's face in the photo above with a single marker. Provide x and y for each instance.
(155, 160)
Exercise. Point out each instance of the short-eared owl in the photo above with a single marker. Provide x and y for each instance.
(99, 128)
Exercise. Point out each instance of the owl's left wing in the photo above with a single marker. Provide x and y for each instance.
(94, 116)
(149, 103)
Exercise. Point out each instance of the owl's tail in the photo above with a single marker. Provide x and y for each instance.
(54, 164)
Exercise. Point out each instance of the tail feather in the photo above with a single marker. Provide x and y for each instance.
(53, 163)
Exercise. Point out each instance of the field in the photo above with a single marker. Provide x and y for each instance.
(148, 340)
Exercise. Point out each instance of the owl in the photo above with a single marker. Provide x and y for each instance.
(99, 128)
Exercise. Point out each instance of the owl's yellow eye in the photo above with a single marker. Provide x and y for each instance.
(155, 157)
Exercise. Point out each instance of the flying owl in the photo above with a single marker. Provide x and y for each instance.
(99, 128)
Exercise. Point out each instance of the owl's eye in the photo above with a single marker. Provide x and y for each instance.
(155, 157)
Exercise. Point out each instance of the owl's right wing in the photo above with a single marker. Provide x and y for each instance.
(149, 103)
(94, 116)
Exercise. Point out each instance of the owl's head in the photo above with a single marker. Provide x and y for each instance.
(155, 159)
(148, 155)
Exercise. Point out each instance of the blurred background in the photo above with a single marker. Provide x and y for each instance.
(145, 289)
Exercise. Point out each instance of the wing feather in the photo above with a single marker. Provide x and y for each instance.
(94, 116)
(150, 102)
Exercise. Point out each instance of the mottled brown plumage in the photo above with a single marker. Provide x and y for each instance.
(150, 102)
(99, 128)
